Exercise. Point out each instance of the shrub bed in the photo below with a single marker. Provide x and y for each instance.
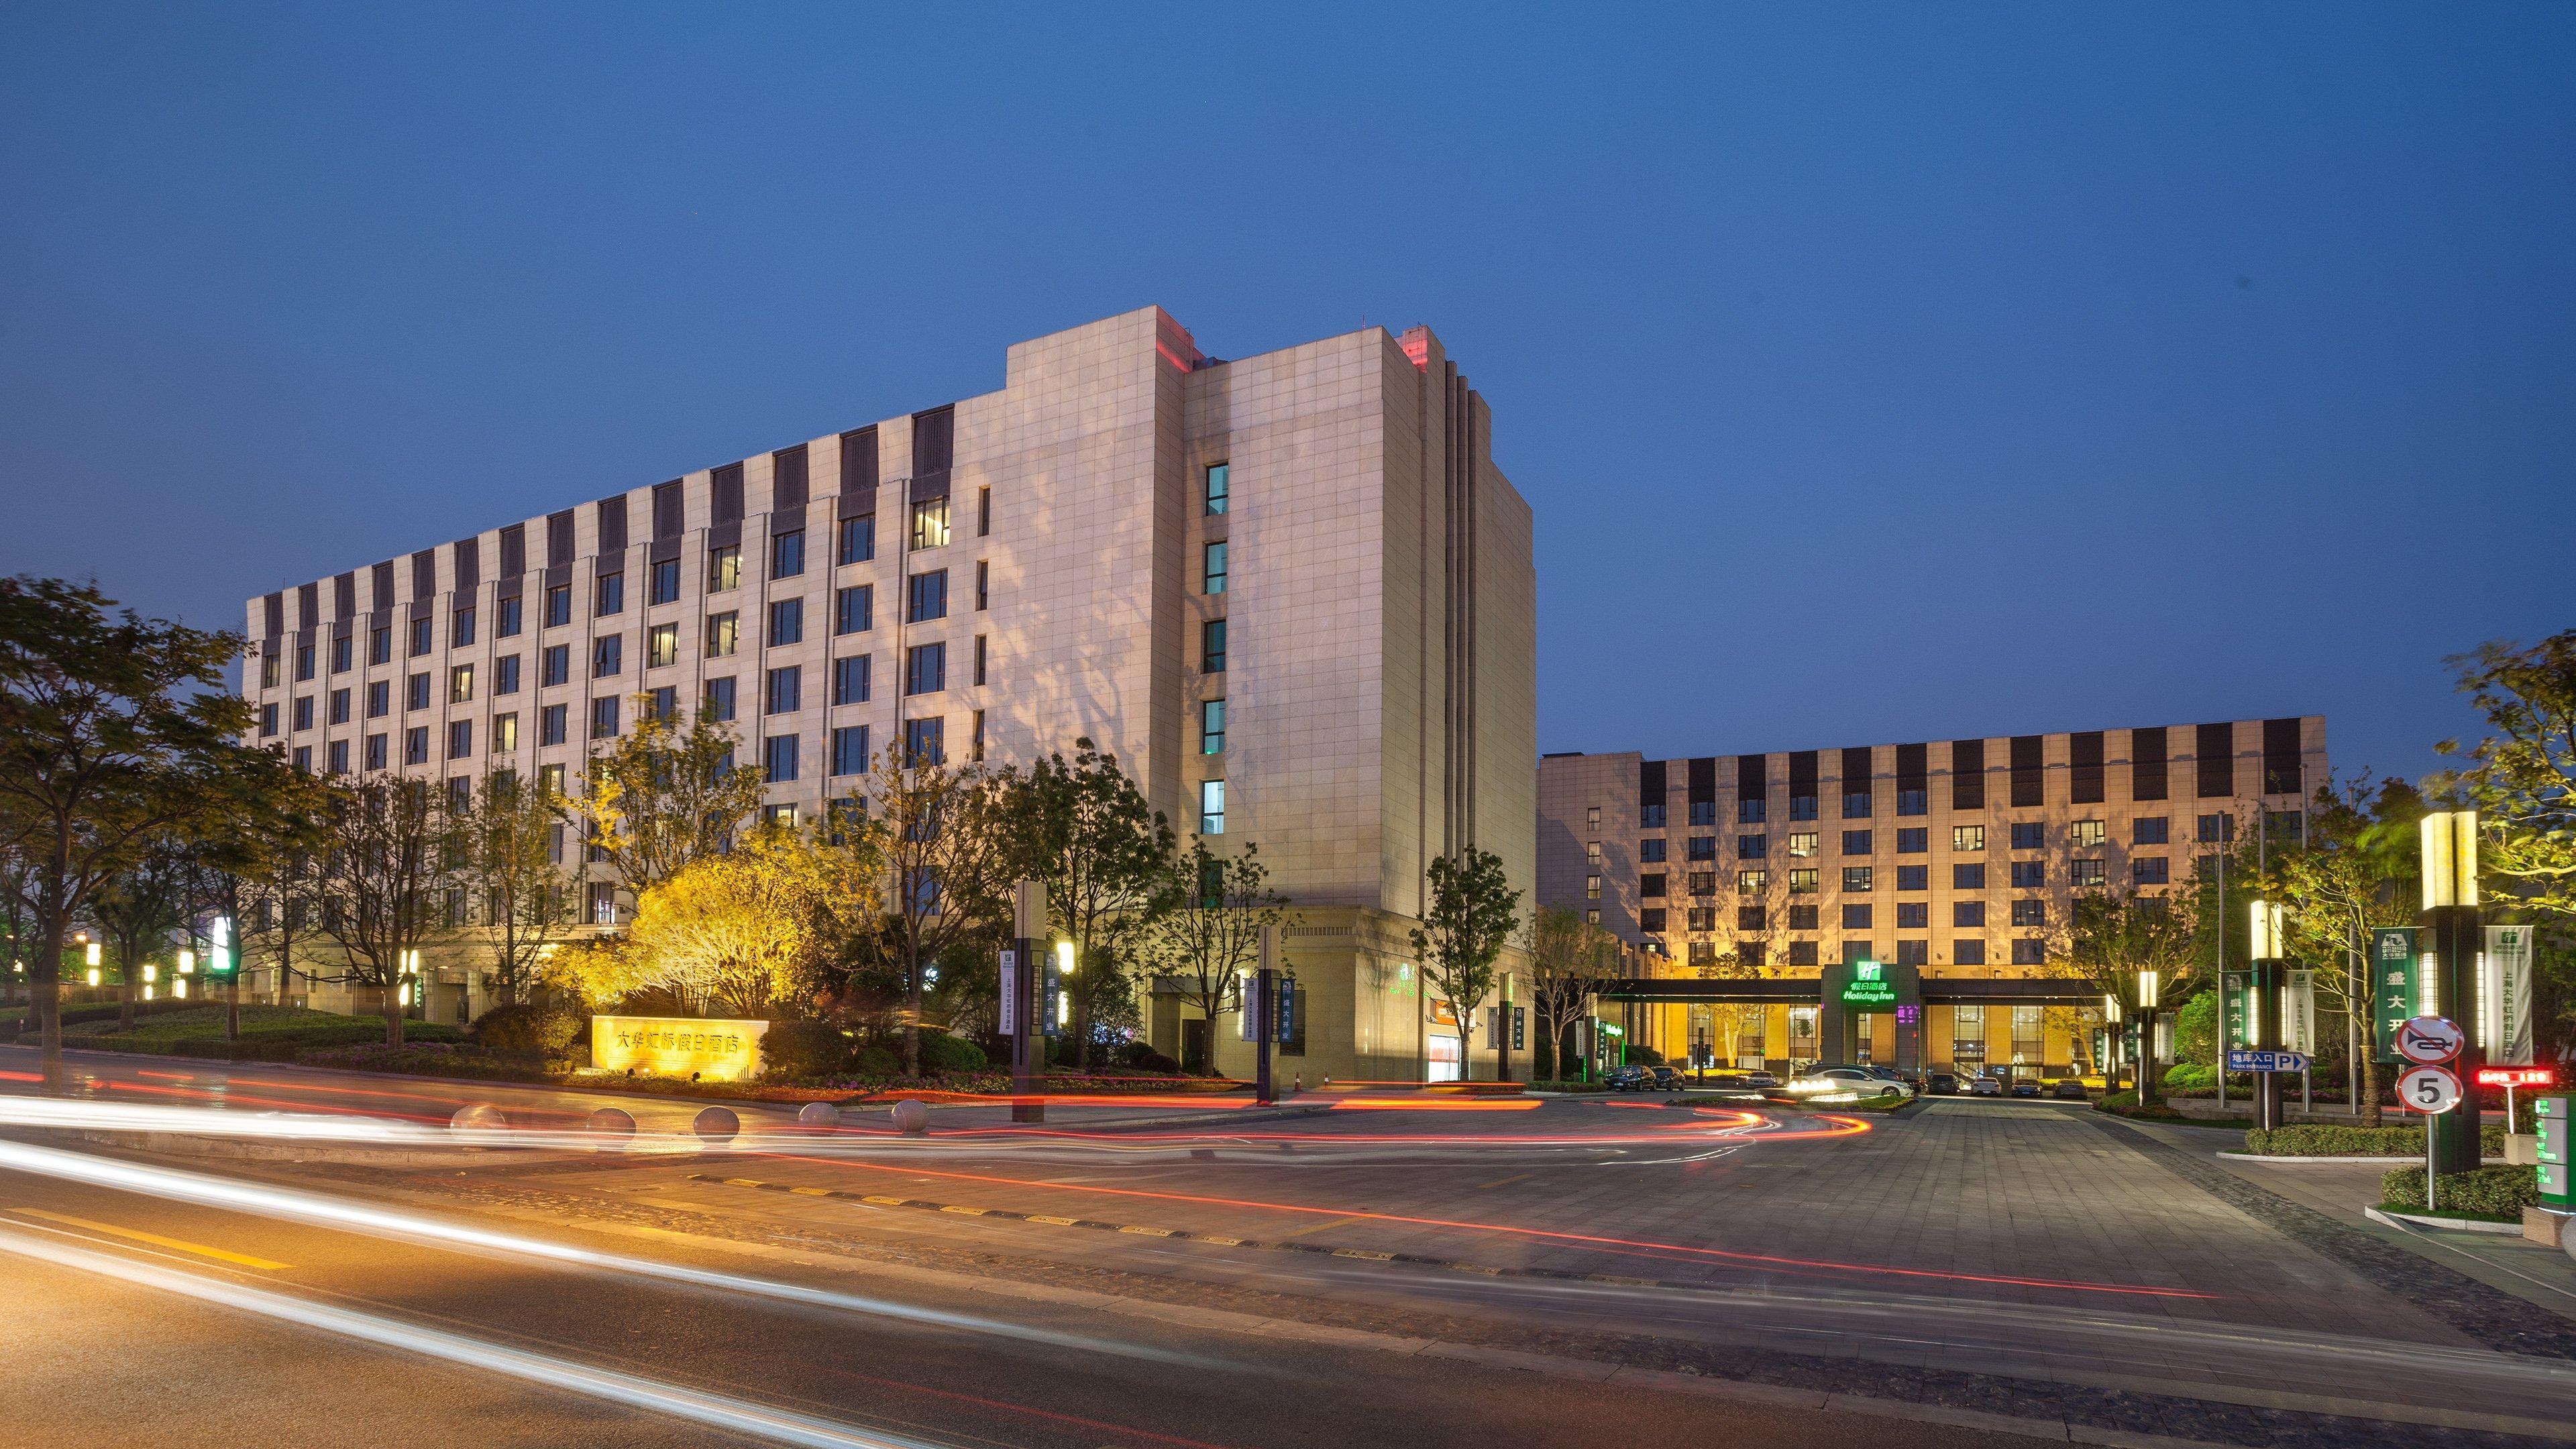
(2497, 1193)
(2325, 1139)
(423, 1059)
(1566, 1087)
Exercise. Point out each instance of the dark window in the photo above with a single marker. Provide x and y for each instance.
(1752, 812)
(720, 702)
(460, 739)
(1651, 919)
(983, 584)
(778, 757)
(1752, 847)
(1913, 915)
(1220, 484)
(854, 610)
(1913, 779)
(1968, 953)
(926, 597)
(555, 665)
(2281, 757)
(1703, 812)
(340, 649)
(980, 652)
(1703, 882)
(786, 622)
(858, 539)
(850, 679)
(339, 706)
(1858, 785)
(850, 750)
(1801, 953)
(1651, 885)
(304, 655)
(2084, 767)
(787, 555)
(2030, 835)
(1212, 647)
(1856, 842)
(550, 724)
(1968, 877)
(507, 626)
(2147, 870)
(1914, 877)
(1967, 774)
(416, 745)
(2147, 764)
(609, 595)
(379, 699)
(1914, 841)
(1967, 913)
(603, 717)
(1913, 953)
(375, 752)
(924, 741)
(2030, 913)
(1802, 918)
(505, 674)
(1701, 847)
(1650, 850)
(1858, 877)
(607, 656)
(665, 703)
(2029, 771)
(983, 514)
(460, 631)
(558, 606)
(339, 757)
(2029, 953)
(1802, 784)
(925, 669)
(2149, 830)
(2215, 765)
(786, 691)
(1856, 918)
(420, 640)
(1750, 918)
(303, 712)
(2218, 829)
(268, 719)
(2029, 875)
(1650, 817)
(665, 585)
(416, 692)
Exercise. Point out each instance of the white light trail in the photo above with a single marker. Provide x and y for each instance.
(327, 1212)
(720, 1411)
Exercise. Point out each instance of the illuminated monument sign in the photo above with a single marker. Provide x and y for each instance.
(1869, 988)
(717, 1051)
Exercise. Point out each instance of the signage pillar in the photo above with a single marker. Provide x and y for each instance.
(1263, 1012)
(2557, 1145)
(1023, 995)
(2456, 939)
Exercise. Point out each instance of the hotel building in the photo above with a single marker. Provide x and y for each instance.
(1290, 592)
(1960, 859)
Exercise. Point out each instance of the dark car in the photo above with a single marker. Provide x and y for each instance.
(2070, 1089)
(1628, 1079)
(2024, 1087)
(1666, 1079)
(1941, 1084)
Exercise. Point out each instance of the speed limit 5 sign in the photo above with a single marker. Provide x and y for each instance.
(2429, 1090)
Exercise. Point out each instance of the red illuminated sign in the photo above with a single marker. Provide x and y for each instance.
(2515, 1076)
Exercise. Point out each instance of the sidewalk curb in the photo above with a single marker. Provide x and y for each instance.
(2427, 1220)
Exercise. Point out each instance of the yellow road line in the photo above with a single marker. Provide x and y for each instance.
(155, 1239)
(1498, 1182)
(1315, 1228)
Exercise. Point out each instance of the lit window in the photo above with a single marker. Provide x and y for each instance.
(930, 523)
(460, 684)
(1856, 877)
(1592, 887)
(1967, 837)
(1751, 882)
(662, 646)
(724, 568)
(1211, 807)
(1802, 882)
(1592, 854)
(724, 634)
(505, 733)
(1802, 843)
(2088, 872)
(2086, 832)
(1592, 818)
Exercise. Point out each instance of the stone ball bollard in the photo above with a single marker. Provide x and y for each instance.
(481, 1117)
(612, 1126)
(911, 1118)
(717, 1126)
(820, 1116)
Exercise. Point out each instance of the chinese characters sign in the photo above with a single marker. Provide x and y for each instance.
(2395, 984)
(717, 1051)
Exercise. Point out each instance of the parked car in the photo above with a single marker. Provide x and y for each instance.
(1628, 1079)
(1984, 1086)
(1857, 1081)
(2070, 1089)
(1758, 1079)
(2025, 1087)
(1666, 1079)
(1941, 1084)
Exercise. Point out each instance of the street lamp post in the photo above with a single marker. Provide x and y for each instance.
(2450, 857)
(2264, 985)
(2147, 998)
(2111, 1030)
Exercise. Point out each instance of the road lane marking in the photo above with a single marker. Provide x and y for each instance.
(245, 1260)
(1498, 1182)
(1315, 1228)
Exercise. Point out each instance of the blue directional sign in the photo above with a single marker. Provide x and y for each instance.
(2254, 1060)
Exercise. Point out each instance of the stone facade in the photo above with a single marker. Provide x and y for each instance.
(1378, 606)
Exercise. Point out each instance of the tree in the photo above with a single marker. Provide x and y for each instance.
(104, 748)
(2356, 871)
(659, 798)
(510, 835)
(138, 910)
(1470, 917)
(737, 932)
(942, 861)
(1213, 937)
(2522, 779)
(1083, 830)
(389, 852)
(2117, 933)
(1569, 958)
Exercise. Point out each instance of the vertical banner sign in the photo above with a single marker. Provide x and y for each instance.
(2394, 968)
(2507, 987)
(2299, 1012)
(1010, 1022)
(2236, 999)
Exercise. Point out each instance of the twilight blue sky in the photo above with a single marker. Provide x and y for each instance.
(1877, 373)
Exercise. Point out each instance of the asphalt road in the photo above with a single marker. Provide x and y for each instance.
(1452, 1273)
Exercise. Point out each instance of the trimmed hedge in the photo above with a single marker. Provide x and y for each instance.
(2490, 1192)
(2326, 1139)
